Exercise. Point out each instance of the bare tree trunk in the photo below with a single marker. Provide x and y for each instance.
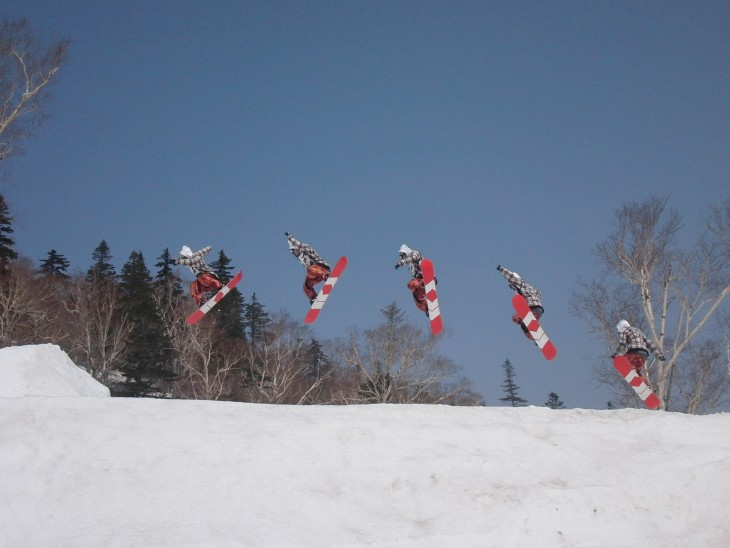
(99, 327)
(204, 363)
(26, 70)
(25, 312)
(397, 363)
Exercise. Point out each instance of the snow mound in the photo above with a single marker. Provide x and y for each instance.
(44, 370)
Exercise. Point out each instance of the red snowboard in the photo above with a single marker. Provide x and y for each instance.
(203, 310)
(325, 291)
(434, 312)
(530, 322)
(636, 381)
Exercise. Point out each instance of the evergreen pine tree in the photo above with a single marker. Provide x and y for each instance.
(166, 277)
(149, 359)
(230, 311)
(7, 254)
(101, 269)
(55, 265)
(554, 401)
(257, 320)
(221, 267)
(318, 363)
(510, 388)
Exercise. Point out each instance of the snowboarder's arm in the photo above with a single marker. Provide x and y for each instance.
(295, 246)
(653, 349)
(413, 258)
(404, 261)
(623, 344)
(292, 239)
(518, 284)
(202, 252)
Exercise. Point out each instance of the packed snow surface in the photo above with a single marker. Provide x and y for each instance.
(97, 471)
(44, 370)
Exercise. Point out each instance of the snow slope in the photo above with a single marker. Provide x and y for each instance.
(97, 471)
(44, 370)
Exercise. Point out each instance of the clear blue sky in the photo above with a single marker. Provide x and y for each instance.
(480, 133)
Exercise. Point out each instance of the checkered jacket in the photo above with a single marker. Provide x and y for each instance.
(413, 260)
(196, 263)
(305, 253)
(631, 338)
(531, 294)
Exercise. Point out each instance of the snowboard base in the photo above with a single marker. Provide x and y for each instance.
(533, 326)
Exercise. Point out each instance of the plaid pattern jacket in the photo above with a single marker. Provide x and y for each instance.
(531, 294)
(413, 260)
(196, 263)
(305, 253)
(632, 338)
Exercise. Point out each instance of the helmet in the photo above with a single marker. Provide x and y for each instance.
(405, 250)
(621, 325)
(186, 252)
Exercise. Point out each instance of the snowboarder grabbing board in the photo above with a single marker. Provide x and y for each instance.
(422, 285)
(528, 310)
(206, 282)
(318, 271)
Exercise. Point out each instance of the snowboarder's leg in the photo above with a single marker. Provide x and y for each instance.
(419, 294)
(316, 273)
(205, 285)
(516, 319)
(196, 291)
(209, 282)
(537, 311)
(637, 362)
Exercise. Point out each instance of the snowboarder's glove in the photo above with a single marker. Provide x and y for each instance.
(613, 355)
(499, 267)
(287, 234)
(396, 266)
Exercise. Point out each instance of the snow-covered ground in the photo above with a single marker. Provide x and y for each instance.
(78, 468)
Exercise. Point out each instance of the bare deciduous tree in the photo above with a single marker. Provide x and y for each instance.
(277, 366)
(205, 362)
(27, 68)
(668, 293)
(397, 363)
(99, 328)
(25, 313)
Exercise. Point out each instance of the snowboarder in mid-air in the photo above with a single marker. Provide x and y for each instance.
(636, 347)
(413, 259)
(531, 295)
(317, 268)
(205, 280)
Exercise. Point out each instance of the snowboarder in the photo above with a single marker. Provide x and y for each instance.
(205, 280)
(531, 295)
(635, 346)
(317, 268)
(413, 259)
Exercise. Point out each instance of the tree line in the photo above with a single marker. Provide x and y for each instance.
(128, 330)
